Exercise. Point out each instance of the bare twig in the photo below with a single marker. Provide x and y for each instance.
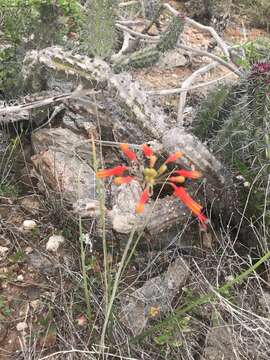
(44, 102)
(124, 47)
(131, 22)
(166, 92)
(212, 31)
(186, 85)
(136, 33)
(213, 57)
(128, 3)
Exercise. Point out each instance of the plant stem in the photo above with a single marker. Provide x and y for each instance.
(84, 273)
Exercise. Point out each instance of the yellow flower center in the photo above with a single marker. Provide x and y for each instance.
(150, 175)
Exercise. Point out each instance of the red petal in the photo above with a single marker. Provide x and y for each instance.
(189, 174)
(123, 180)
(174, 157)
(143, 200)
(118, 170)
(127, 152)
(196, 208)
(147, 150)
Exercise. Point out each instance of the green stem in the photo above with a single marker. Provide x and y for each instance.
(201, 300)
(84, 273)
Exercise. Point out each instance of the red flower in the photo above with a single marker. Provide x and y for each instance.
(143, 200)
(147, 151)
(150, 176)
(188, 174)
(123, 180)
(196, 208)
(118, 170)
(174, 157)
(127, 152)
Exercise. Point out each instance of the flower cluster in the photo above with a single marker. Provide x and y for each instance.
(261, 68)
(152, 175)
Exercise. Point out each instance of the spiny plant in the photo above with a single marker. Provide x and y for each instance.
(151, 55)
(99, 28)
(241, 136)
(39, 23)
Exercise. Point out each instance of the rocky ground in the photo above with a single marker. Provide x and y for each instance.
(47, 252)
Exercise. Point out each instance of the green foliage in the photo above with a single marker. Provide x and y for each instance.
(18, 257)
(171, 335)
(257, 10)
(8, 190)
(169, 39)
(5, 310)
(39, 23)
(99, 29)
(254, 51)
(212, 111)
(239, 126)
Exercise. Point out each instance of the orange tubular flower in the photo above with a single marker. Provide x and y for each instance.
(118, 170)
(147, 151)
(196, 208)
(143, 200)
(127, 152)
(173, 157)
(189, 174)
(123, 180)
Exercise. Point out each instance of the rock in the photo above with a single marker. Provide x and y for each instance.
(3, 251)
(154, 297)
(174, 58)
(31, 204)
(264, 301)
(22, 326)
(20, 278)
(41, 263)
(29, 225)
(54, 242)
(123, 214)
(87, 208)
(219, 344)
(62, 163)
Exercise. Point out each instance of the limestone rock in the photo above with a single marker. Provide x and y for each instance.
(154, 297)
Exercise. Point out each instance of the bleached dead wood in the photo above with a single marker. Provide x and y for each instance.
(186, 85)
(211, 30)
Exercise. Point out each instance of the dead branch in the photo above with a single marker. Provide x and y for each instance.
(212, 31)
(168, 92)
(213, 57)
(137, 34)
(22, 109)
(186, 85)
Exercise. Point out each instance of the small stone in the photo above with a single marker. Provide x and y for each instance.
(36, 304)
(20, 278)
(29, 225)
(246, 184)
(28, 250)
(240, 177)
(54, 242)
(3, 251)
(21, 326)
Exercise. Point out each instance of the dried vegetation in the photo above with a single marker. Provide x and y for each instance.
(82, 276)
